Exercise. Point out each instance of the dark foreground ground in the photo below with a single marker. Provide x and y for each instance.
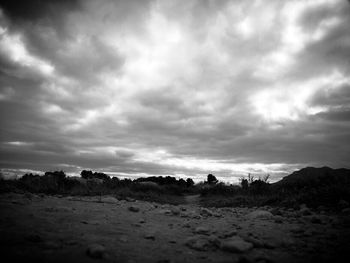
(39, 228)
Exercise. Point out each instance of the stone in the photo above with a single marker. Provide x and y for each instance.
(206, 212)
(71, 242)
(175, 210)
(275, 211)
(214, 240)
(52, 245)
(316, 220)
(201, 243)
(34, 238)
(278, 219)
(186, 225)
(256, 242)
(123, 239)
(109, 199)
(96, 251)
(190, 214)
(343, 204)
(305, 211)
(202, 230)
(150, 235)
(166, 211)
(236, 245)
(129, 199)
(345, 211)
(230, 233)
(260, 214)
(133, 209)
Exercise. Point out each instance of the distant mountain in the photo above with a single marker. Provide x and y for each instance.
(314, 177)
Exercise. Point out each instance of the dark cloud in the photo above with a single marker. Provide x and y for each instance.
(332, 50)
(340, 96)
(36, 9)
(173, 87)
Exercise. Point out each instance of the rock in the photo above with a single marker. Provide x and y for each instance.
(271, 244)
(345, 211)
(52, 245)
(256, 242)
(202, 230)
(133, 208)
(71, 242)
(206, 212)
(246, 259)
(343, 204)
(34, 238)
(275, 211)
(230, 233)
(109, 199)
(297, 230)
(236, 245)
(186, 225)
(165, 211)
(305, 211)
(190, 214)
(214, 240)
(123, 239)
(316, 220)
(278, 219)
(321, 208)
(129, 199)
(142, 221)
(201, 243)
(150, 235)
(175, 210)
(260, 214)
(96, 251)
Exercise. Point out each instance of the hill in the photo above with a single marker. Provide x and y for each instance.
(314, 178)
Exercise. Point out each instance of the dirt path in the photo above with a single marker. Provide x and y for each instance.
(192, 199)
(69, 229)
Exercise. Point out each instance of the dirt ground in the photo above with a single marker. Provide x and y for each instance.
(40, 228)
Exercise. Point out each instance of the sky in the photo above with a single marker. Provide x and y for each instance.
(181, 88)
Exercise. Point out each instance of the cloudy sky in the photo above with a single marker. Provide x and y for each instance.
(171, 87)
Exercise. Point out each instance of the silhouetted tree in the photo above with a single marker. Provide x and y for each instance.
(211, 179)
(89, 175)
(182, 182)
(86, 174)
(244, 184)
(189, 182)
(58, 175)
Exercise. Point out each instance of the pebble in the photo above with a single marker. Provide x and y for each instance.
(316, 220)
(96, 251)
(175, 210)
(278, 219)
(230, 233)
(150, 236)
(133, 209)
(236, 245)
(260, 214)
(345, 211)
(200, 243)
(129, 199)
(52, 245)
(202, 230)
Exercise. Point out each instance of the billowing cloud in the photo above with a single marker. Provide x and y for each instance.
(137, 88)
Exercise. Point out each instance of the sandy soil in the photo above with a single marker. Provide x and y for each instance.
(94, 229)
